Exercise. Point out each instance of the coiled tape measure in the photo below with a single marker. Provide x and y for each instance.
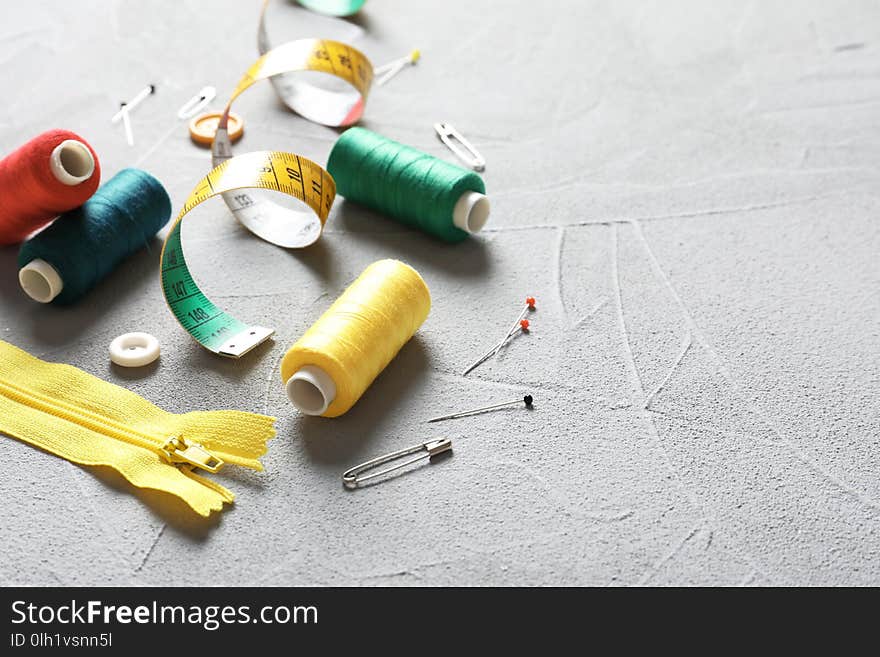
(335, 105)
(287, 173)
(243, 180)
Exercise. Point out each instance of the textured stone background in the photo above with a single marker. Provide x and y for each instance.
(690, 190)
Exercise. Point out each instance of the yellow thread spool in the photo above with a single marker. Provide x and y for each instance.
(336, 360)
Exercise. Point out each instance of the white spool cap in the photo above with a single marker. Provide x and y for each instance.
(311, 390)
(71, 162)
(40, 280)
(471, 212)
(134, 349)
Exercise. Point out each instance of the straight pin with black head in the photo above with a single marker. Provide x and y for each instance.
(125, 108)
(527, 400)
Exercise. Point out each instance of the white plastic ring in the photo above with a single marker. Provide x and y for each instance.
(471, 212)
(134, 350)
(40, 280)
(311, 390)
(71, 162)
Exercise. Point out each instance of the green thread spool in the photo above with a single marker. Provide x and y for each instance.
(333, 7)
(413, 187)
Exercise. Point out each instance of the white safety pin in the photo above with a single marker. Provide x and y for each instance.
(352, 479)
(449, 135)
(196, 103)
(387, 71)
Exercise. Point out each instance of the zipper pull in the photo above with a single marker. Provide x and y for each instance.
(182, 450)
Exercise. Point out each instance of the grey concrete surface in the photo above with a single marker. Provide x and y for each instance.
(688, 188)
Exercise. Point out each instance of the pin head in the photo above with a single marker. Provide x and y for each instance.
(524, 324)
(415, 55)
(530, 302)
(528, 400)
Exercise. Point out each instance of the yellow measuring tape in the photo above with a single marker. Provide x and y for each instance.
(241, 180)
(335, 102)
(262, 216)
(287, 173)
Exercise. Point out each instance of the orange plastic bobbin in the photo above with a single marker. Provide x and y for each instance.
(203, 127)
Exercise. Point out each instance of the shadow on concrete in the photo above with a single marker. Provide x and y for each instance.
(467, 259)
(170, 509)
(318, 258)
(135, 373)
(362, 20)
(55, 326)
(199, 359)
(233, 476)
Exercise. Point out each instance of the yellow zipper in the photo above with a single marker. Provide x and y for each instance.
(175, 449)
(72, 414)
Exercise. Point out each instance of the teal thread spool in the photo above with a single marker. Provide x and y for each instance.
(413, 187)
(82, 246)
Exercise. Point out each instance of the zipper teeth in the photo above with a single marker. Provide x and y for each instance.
(80, 416)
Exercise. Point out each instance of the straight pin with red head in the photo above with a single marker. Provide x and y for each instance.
(521, 324)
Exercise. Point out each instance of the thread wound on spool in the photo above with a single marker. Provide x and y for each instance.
(411, 186)
(52, 173)
(86, 244)
(358, 335)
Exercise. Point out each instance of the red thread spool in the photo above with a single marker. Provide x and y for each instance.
(54, 172)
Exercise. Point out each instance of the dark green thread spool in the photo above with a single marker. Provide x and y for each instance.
(412, 187)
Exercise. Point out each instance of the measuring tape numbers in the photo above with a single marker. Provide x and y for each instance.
(275, 171)
(334, 102)
(245, 180)
(262, 216)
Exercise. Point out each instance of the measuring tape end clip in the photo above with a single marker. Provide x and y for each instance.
(244, 341)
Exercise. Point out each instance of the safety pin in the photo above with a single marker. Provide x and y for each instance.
(387, 71)
(472, 157)
(352, 479)
(198, 102)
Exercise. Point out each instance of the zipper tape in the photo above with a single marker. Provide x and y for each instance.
(79, 417)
